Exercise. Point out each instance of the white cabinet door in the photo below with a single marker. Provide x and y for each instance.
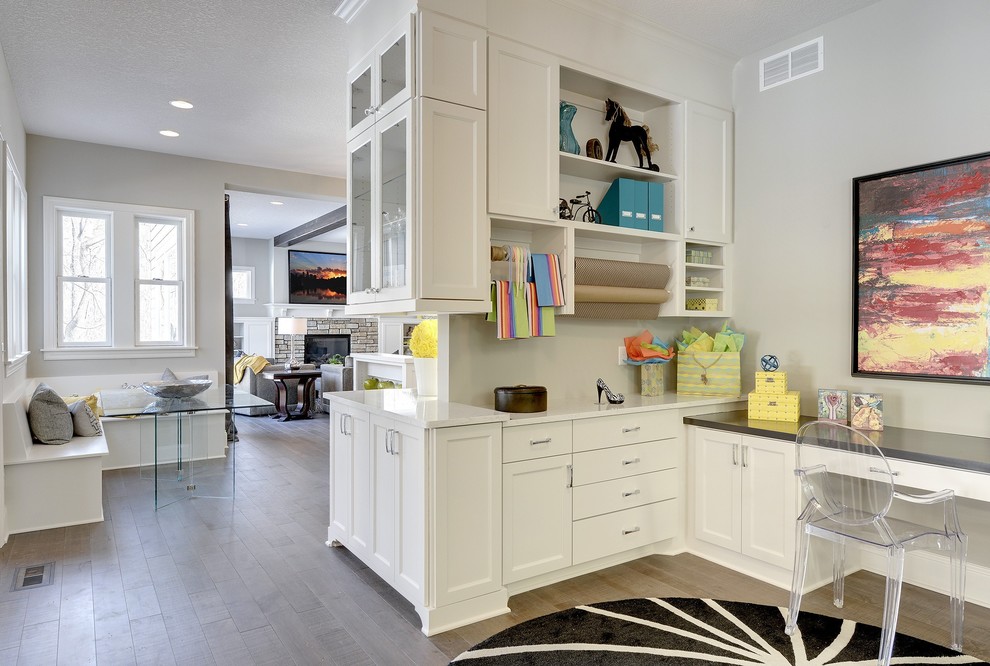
(769, 492)
(523, 134)
(453, 261)
(350, 477)
(383, 483)
(453, 60)
(708, 173)
(408, 449)
(717, 479)
(466, 512)
(536, 532)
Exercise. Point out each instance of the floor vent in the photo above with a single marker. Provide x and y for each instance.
(32, 576)
(792, 64)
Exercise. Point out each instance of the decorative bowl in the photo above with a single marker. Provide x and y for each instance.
(182, 388)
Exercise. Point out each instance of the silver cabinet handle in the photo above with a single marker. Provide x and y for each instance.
(745, 456)
(570, 476)
(625, 430)
(883, 471)
(631, 462)
(395, 451)
(534, 442)
(735, 454)
(630, 493)
(633, 530)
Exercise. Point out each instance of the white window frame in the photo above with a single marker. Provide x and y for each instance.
(13, 203)
(122, 247)
(250, 298)
(138, 281)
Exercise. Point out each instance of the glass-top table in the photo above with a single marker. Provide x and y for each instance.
(183, 442)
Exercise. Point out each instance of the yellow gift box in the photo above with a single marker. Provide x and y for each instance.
(651, 379)
(775, 406)
(701, 304)
(771, 382)
(708, 373)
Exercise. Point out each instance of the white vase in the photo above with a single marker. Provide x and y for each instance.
(426, 376)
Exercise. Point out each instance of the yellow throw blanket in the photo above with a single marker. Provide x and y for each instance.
(253, 361)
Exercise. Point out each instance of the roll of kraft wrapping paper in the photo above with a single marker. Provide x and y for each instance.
(588, 293)
(616, 310)
(609, 273)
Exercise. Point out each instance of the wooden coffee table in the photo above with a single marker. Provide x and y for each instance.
(304, 393)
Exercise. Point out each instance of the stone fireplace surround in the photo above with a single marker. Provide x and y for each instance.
(363, 332)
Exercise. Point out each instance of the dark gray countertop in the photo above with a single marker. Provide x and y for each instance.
(934, 448)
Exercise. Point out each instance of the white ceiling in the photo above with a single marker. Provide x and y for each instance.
(267, 78)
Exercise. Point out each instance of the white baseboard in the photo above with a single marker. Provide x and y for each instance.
(931, 571)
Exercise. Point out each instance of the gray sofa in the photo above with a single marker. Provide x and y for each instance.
(336, 378)
(265, 389)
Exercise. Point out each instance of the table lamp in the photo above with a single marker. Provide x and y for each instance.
(292, 326)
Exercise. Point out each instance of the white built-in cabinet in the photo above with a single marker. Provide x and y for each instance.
(580, 491)
(528, 174)
(422, 508)
(745, 495)
(418, 231)
(255, 335)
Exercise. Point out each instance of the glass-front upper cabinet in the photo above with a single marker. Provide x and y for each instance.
(382, 80)
(379, 232)
(359, 212)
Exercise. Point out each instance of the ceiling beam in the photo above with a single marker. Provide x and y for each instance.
(335, 219)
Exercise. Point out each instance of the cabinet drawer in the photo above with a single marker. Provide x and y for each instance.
(618, 494)
(605, 431)
(538, 440)
(623, 530)
(623, 461)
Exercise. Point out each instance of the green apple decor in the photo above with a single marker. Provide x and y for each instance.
(371, 383)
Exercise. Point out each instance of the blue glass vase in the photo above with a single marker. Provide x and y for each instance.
(568, 142)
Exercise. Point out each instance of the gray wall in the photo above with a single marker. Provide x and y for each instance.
(905, 83)
(254, 252)
(89, 171)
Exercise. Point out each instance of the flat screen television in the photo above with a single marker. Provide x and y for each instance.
(317, 277)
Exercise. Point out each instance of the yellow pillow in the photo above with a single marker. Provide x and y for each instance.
(91, 401)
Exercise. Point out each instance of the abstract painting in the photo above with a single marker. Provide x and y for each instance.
(921, 279)
(317, 277)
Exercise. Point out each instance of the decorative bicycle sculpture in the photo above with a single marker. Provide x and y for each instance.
(579, 208)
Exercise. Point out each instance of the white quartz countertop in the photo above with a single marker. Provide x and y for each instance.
(405, 405)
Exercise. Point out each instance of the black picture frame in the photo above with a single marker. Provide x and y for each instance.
(921, 272)
(317, 278)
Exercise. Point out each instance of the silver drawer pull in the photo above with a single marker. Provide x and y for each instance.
(625, 532)
(631, 493)
(883, 471)
(534, 442)
(625, 430)
(631, 462)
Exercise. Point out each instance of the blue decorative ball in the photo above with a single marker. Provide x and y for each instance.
(769, 362)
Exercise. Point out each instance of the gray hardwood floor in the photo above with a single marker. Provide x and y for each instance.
(250, 581)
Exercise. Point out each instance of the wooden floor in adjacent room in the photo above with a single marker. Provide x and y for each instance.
(252, 581)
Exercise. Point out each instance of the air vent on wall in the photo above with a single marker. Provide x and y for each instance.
(791, 64)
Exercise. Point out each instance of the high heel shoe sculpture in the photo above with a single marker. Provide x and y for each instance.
(613, 398)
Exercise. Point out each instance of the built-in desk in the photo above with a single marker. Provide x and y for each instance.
(921, 459)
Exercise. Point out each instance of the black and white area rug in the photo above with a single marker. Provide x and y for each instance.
(694, 631)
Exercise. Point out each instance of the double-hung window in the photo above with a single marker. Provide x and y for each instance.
(118, 280)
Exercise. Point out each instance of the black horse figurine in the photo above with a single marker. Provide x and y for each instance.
(621, 130)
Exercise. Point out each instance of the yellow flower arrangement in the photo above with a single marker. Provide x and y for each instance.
(423, 342)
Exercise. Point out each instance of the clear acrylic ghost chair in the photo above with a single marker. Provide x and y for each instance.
(850, 489)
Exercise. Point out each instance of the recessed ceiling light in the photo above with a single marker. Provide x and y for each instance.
(241, 224)
(277, 203)
(169, 133)
(181, 104)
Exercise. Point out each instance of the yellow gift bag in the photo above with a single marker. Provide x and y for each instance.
(708, 373)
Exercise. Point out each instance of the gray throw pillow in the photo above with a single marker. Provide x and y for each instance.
(84, 422)
(49, 417)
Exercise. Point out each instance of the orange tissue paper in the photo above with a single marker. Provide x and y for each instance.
(647, 348)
